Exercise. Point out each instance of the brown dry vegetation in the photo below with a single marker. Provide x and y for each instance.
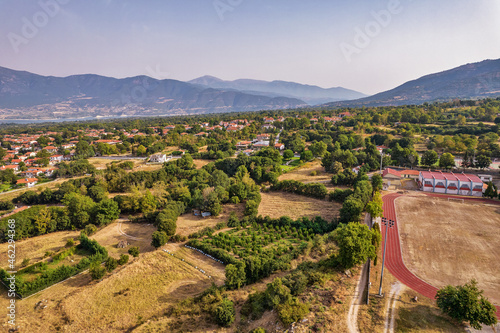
(122, 300)
(303, 173)
(277, 204)
(35, 248)
(451, 242)
(112, 234)
(188, 223)
(201, 163)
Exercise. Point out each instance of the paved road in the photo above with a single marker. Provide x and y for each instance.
(394, 259)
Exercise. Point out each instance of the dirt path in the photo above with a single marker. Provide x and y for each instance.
(119, 226)
(357, 301)
(390, 318)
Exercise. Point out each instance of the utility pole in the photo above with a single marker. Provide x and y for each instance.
(388, 224)
(381, 155)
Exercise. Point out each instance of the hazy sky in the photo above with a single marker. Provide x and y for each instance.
(368, 45)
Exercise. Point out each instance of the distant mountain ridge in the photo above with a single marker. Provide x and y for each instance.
(470, 81)
(20, 89)
(311, 94)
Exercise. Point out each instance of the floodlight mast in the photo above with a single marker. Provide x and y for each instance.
(388, 224)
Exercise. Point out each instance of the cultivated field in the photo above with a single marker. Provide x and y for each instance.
(451, 242)
(303, 173)
(277, 204)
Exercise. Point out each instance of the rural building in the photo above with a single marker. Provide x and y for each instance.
(30, 182)
(412, 174)
(393, 177)
(486, 178)
(158, 158)
(450, 183)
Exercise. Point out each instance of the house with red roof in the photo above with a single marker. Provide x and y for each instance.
(30, 182)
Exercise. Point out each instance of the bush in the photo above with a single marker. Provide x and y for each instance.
(111, 264)
(235, 200)
(25, 262)
(292, 311)
(134, 251)
(224, 313)
(259, 330)
(159, 238)
(97, 272)
(123, 259)
(70, 242)
(90, 229)
(6, 205)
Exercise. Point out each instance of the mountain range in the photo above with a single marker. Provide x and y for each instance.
(26, 95)
(470, 81)
(313, 95)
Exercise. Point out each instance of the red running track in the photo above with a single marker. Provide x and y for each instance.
(394, 258)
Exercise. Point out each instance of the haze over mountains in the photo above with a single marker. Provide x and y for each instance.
(30, 96)
(313, 95)
(470, 81)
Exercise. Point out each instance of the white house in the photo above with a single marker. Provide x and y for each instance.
(158, 158)
(30, 182)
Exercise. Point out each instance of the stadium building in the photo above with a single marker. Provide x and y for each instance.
(451, 183)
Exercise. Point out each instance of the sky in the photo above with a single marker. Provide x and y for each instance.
(365, 45)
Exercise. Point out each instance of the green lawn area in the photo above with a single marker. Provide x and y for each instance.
(5, 187)
(295, 162)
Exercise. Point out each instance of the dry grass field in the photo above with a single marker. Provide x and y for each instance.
(128, 297)
(112, 234)
(451, 242)
(277, 204)
(188, 223)
(303, 173)
(201, 163)
(35, 248)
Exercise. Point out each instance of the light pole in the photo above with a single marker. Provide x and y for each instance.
(388, 224)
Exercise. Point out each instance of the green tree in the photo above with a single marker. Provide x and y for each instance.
(306, 155)
(79, 208)
(355, 244)
(447, 161)
(467, 303)
(141, 150)
(318, 148)
(483, 161)
(123, 259)
(165, 223)
(288, 154)
(159, 238)
(134, 251)
(105, 212)
(491, 191)
(111, 264)
(148, 203)
(96, 271)
(351, 209)
(225, 313)
(374, 207)
(430, 157)
(235, 275)
(377, 182)
(42, 221)
(89, 229)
